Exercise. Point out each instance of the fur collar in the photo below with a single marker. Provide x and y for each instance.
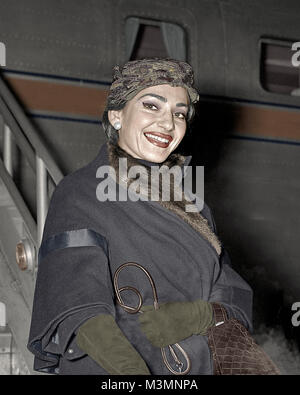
(194, 219)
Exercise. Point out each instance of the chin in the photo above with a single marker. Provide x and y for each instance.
(156, 157)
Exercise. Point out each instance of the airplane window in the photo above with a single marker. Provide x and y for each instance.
(149, 43)
(147, 38)
(278, 74)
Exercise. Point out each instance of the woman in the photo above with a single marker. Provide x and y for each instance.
(81, 321)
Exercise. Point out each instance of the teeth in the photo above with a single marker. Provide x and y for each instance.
(161, 139)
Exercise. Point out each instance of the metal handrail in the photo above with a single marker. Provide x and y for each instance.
(19, 136)
(7, 149)
(39, 158)
(29, 131)
(18, 200)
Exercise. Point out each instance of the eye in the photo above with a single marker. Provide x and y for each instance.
(180, 115)
(150, 106)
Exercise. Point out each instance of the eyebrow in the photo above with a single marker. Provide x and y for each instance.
(163, 99)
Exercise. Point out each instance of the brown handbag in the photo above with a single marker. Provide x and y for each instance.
(234, 351)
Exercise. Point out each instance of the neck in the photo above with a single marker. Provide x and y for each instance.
(147, 163)
(172, 160)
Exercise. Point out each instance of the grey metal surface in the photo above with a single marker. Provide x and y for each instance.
(7, 149)
(254, 192)
(11, 105)
(85, 40)
(12, 230)
(20, 139)
(252, 185)
(72, 143)
(11, 360)
(41, 197)
(18, 201)
(68, 30)
(16, 289)
(18, 310)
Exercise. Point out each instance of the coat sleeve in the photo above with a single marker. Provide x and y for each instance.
(229, 288)
(232, 292)
(73, 280)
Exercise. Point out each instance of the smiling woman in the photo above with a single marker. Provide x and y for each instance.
(176, 273)
(153, 123)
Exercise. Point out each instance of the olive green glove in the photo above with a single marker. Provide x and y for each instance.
(176, 321)
(102, 339)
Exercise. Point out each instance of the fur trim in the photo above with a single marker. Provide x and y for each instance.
(194, 219)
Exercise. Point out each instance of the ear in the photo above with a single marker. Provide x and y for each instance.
(114, 116)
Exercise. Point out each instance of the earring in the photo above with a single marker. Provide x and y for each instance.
(117, 125)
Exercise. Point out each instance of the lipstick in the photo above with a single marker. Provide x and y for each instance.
(159, 139)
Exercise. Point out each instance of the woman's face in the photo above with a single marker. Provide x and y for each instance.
(153, 123)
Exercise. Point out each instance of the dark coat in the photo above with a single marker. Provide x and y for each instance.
(86, 240)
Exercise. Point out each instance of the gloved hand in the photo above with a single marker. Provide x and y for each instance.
(102, 339)
(176, 321)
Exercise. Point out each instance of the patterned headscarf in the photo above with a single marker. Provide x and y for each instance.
(137, 75)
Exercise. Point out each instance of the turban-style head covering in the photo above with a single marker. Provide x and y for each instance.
(137, 75)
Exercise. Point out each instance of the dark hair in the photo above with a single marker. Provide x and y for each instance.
(111, 133)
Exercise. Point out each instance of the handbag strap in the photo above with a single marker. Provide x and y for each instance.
(220, 314)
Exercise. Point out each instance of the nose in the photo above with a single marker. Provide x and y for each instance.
(166, 121)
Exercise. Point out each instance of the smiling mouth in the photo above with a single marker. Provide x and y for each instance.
(159, 139)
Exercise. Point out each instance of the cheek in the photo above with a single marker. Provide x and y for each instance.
(142, 120)
(181, 131)
(134, 122)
